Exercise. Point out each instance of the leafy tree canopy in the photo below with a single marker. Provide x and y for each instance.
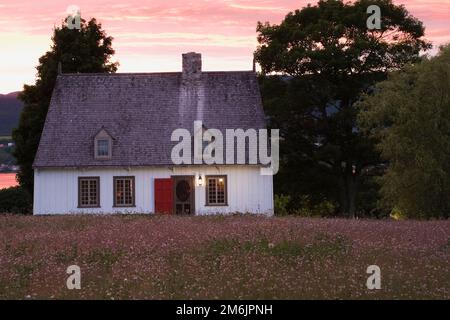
(332, 39)
(409, 115)
(87, 49)
(321, 58)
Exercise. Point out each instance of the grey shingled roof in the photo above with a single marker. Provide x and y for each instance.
(140, 111)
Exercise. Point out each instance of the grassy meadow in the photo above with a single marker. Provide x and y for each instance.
(235, 257)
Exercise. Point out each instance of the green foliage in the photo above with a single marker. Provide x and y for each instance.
(15, 200)
(85, 50)
(326, 245)
(396, 214)
(67, 255)
(281, 204)
(306, 208)
(303, 205)
(222, 246)
(323, 245)
(409, 115)
(104, 257)
(335, 32)
(321, 59)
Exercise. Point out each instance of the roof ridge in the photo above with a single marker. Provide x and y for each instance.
(145, 73)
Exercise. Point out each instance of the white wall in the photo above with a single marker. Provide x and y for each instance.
(56, 190)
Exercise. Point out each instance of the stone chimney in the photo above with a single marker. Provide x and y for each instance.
(192, 65)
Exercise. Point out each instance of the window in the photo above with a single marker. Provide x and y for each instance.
(102, 148)
(103, 145)
(124, 192)
(216, 191)
(88, 192)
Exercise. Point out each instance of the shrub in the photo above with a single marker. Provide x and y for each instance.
(15, 200)
(397, 214)
(281, 204)
(306, 208)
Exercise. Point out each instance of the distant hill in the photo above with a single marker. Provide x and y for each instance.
(10, 108)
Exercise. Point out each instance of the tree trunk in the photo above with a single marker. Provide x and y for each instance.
(351, 194)
(348, 188)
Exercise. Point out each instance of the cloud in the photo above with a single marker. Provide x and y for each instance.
(150, 35)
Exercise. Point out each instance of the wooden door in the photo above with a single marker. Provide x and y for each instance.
(163, 196)
(183, 195)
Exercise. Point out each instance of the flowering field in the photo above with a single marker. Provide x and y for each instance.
(235, 257)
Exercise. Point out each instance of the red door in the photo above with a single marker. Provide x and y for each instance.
(163, 196)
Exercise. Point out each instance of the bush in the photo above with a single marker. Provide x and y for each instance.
(281, 204)
(306, 208)
(15, 200)
(397, 214)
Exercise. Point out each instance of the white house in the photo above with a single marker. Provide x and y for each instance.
(107, 147)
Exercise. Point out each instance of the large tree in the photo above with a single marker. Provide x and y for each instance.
(409, 115)
(87, 49)
(321, 58)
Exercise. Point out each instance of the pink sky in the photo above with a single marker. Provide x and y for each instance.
(151, 35)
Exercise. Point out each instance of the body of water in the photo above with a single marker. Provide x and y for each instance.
(8, 180)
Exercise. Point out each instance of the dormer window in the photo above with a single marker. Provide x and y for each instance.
(102, 148)
(103, 145)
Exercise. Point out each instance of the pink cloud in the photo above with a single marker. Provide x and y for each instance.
(159, 31)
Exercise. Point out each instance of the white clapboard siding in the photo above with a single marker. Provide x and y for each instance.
(56, 190)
